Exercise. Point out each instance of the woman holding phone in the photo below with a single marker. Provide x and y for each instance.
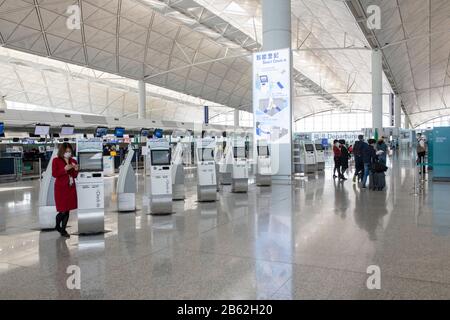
(64, 170)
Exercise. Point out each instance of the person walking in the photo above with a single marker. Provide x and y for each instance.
(358, 148)
(421, 152)
(337, 159)
(64, 170)
(382, 150)
(369, 156)
(345, 156)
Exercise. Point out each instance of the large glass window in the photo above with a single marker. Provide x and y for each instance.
(438, 122)
(334, 121)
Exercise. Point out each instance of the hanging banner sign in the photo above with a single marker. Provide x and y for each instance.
(272, 96)
(206, 114)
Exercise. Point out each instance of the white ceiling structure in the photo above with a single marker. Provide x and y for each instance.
(415, 40)
(131, 38)
(203, 48)
(40, 84)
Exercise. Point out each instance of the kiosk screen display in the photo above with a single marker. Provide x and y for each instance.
(160, 157)
(263, 151)
(309, 148)
(67, 130)
(2, 129)
(239, 152)
(319, 147)
(207, 154)
(101, 131)
(118, 132)
(41, 130)
(90, 161)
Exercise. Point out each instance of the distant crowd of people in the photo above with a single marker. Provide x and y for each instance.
(369, 156)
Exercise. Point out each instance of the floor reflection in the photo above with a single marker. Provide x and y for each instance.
(311, 238)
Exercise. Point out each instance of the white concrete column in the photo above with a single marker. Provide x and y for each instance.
(276, 24)
(142, 100)
(398, 112)
(407, 126)
(277, 34)
(377, 91)
(236, 118)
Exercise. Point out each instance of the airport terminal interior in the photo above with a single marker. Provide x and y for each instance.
(225, 149)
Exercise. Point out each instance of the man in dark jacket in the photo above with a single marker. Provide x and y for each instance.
(369, 155)
(359, 163)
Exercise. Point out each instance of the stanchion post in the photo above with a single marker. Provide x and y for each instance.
(40, 169)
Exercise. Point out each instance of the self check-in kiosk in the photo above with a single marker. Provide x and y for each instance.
(126, 184)
(239, 174)
(319, 156)
(307, 157)
(263, 164)
(160, 176)
(47, 207)
(226, 163)
(217, 157)
(178, 192)
(90, 186)
(206, 170)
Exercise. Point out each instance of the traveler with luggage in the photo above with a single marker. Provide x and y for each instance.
(358, 147)
(377, 175)
(369, 155)
(382, 150)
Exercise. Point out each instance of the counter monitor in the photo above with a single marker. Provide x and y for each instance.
(160, 157)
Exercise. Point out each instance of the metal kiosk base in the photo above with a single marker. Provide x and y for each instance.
(207, 193)
(263, 180)
(91, 221)
(161, 204)
(239, 185)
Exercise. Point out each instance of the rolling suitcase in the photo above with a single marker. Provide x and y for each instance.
(379, 181)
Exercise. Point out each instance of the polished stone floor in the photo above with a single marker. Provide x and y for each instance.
(313, 239)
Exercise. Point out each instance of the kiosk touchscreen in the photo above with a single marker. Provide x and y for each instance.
(239, 174)
(126, 184)
(90, 186)
(160, 176)
(178, 192)
(264, 164)
(307, 157)
(47, 207)
(206, 170)
(320, 156)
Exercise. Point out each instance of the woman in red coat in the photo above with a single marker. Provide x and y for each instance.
(64, 170)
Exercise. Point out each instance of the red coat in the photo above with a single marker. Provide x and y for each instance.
(337, 151)
(65, 195)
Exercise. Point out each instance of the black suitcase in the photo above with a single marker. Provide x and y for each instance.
(379, 181)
